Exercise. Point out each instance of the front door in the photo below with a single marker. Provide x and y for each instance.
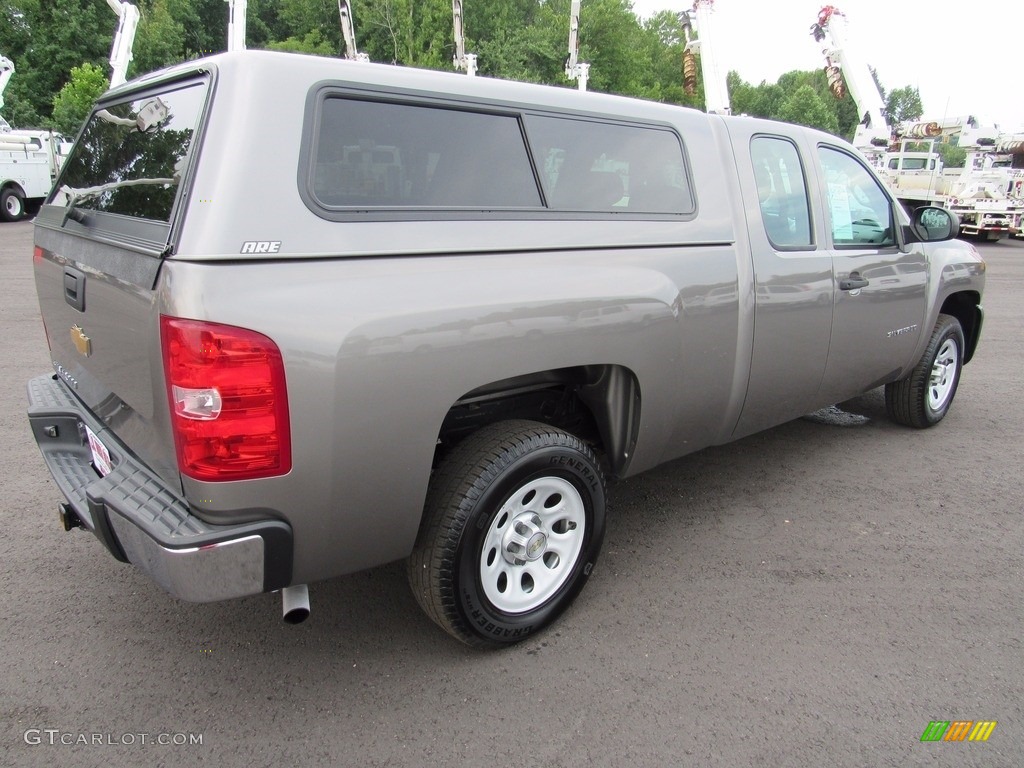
(879, 289)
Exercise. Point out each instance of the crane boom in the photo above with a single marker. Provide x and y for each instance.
(874, 133)
(461, 59)
(124, 40)
(574, 69)
(6, 72)
(1012, 143)
(348, 31)
(982, 197)
(237, 12)
(716, 90)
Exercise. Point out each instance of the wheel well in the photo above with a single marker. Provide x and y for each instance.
(600, 404)
(966, 307)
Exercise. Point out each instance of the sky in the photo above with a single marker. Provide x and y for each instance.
(962, 63)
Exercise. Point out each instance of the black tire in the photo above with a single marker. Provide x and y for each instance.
(12, 205)
(923, 398)
(514, 486)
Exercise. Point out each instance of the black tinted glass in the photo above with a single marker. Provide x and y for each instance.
(372, 154)
(593, 166)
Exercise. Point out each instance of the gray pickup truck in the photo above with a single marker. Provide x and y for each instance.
(309, 316)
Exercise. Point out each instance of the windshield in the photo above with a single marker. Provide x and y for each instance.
(130, 158)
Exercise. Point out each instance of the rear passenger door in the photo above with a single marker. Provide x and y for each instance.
(880, 290)
(792, 278)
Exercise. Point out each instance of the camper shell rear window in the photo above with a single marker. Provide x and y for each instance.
(393, 158)
(131, 156)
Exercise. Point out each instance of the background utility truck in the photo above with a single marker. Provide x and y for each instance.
(29, 161)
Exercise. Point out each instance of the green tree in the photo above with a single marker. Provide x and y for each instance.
(764, 100)
(661, 51)
(415, 33)
(952, 155)
(509, 40)
(312, 26)
(805, 107)
(514, 39)
(526, 54)
(74, 102)
(878, 82)
(46, 39)
(903, 104)
(846, 115)
(160, 40)
(610, 39)
(312, 42)
(205, 25)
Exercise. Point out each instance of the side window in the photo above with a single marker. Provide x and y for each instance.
(376, 154)
(781, 192)
(861, 212)
(592, 166)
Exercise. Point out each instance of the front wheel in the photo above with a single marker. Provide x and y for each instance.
(923, 398)
(12, 205)
(512, 528)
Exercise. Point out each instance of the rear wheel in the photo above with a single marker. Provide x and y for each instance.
(923, 398)
(513, 525)
(12, 205)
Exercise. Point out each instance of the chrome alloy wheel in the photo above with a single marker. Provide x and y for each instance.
(943, 376)
(532, 545)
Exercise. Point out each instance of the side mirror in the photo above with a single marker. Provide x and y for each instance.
(931, 224)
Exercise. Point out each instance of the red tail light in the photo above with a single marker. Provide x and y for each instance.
(229, 405)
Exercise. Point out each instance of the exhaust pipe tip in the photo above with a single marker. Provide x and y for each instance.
(295, 604)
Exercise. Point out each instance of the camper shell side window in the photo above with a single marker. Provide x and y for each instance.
(379, 154)
(409, 158)
(591, 165)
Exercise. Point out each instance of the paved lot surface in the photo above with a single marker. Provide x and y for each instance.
(810, 596)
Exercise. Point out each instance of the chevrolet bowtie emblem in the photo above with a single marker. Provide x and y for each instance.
(82, 342)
